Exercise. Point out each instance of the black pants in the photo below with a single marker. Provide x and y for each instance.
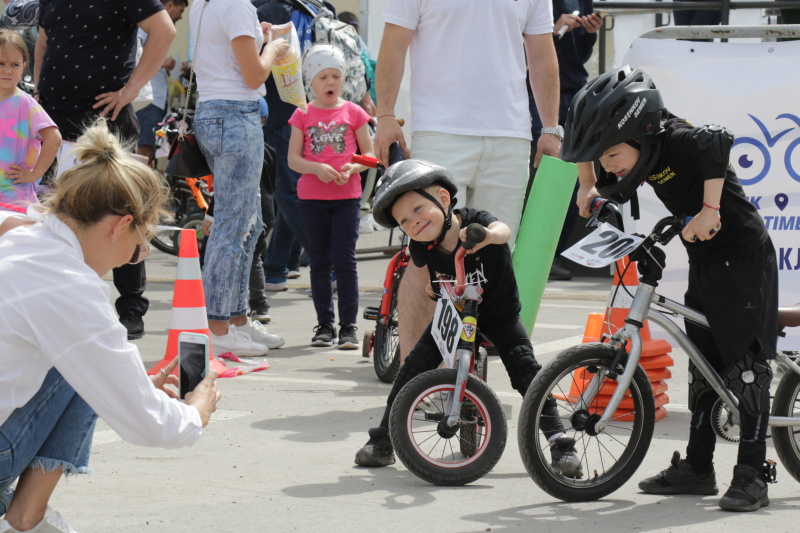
(130, 280)
(740, 300)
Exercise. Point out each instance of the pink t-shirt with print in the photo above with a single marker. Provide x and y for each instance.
(21, 119)
(329, 136)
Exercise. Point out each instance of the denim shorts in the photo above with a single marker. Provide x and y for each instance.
(53, 430)
(230, 136)
(149, 117)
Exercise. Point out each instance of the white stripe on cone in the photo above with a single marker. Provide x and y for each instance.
(188, 268)
(188, 318)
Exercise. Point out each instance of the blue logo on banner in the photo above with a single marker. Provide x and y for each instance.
(754, 158)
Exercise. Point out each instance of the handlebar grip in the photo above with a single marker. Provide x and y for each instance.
(597, 203)
(475, 234)
(370, 162)
(396, 153)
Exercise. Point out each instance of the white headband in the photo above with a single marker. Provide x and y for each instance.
(318, 58)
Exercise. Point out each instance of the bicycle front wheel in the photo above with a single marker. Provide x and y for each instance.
(414, 420)
(787, 439)
(608, 458)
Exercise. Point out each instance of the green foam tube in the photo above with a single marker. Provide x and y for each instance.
(539, 230)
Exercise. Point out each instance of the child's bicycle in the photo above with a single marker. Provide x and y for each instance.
(610, 443)
(189, 197)
(447, 426)
(382, 342)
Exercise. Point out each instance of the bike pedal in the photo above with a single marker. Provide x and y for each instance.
(372, 313)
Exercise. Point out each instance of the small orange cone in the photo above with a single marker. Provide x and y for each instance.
(654, 359)
(188, 303)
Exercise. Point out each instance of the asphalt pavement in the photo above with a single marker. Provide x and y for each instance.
(278, 454)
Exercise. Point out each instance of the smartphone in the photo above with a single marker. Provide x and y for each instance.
(601, 14)
(192, 361)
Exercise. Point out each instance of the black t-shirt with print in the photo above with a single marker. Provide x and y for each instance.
(91, 48)
(678, 178)
(491, 266)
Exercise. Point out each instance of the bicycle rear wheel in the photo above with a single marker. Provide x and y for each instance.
(608, 458)
(787, 439)
(386, 345)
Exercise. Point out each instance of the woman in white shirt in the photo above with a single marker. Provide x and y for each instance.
(64, 357)
(231, 65)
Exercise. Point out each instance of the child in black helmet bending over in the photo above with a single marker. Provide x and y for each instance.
(621, 136)
(418, 197)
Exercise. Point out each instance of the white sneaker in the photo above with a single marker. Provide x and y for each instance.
(293, 274)
(258, 333)
(365, 225)
(238, 342)
(52, 522)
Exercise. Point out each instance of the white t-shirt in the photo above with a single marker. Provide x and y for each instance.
(159, 82)
(215, 67)
(55, 312)
(468, 67)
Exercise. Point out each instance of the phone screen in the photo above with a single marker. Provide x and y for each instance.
(192, 364)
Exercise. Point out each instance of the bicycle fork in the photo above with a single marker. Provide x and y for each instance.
(451, 422)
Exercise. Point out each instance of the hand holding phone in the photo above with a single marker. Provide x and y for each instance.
(192, 361)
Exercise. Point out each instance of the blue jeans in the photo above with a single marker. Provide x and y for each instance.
(229, 134)
(53, 430)
(288, 225)
(332, 230)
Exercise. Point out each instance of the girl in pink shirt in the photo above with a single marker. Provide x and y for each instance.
(324, 137)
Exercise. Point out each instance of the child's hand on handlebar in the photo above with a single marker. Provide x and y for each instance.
(703, 227)
(585, 198)
(429, 290)
(496, 233)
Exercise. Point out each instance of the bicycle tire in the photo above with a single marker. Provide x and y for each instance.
(164, 240)
(192, 222)
(787, 439)
(609, 458)
(415, 415)
(386, 348)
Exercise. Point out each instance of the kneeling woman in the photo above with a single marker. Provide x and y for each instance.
(64, 356)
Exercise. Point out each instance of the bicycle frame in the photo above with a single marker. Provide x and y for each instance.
(645, 305)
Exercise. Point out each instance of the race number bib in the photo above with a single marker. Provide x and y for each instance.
(446, 329)
(602, 247)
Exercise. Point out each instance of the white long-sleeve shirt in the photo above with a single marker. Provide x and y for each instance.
(55, 312)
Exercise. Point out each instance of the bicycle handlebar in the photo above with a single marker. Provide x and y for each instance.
(395, 155)
(475, 234)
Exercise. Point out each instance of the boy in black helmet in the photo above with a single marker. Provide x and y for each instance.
(618, 122)
(418, 197)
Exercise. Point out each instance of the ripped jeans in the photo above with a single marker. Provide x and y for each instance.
(230, 136)
(53, 430)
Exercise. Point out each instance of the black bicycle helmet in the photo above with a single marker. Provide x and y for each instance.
(619, 106)
(411, 175)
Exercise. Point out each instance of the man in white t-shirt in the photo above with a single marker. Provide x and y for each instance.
(469, 106)
(150, 115)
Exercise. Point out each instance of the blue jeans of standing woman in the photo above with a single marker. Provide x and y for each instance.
(53, 430)
(229, 134)
(332, 232)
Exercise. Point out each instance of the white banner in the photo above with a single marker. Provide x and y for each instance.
(751, 88)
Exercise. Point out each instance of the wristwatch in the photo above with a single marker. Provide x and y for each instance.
(558, 131)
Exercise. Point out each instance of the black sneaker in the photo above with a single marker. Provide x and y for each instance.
(680, 478)
(565, 459)
(347, 337)
(748, 490)
(378, 450)
(323, 335)
(558, 272)
(134, 323)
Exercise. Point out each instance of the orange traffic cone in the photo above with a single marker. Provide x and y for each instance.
(188, 303)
